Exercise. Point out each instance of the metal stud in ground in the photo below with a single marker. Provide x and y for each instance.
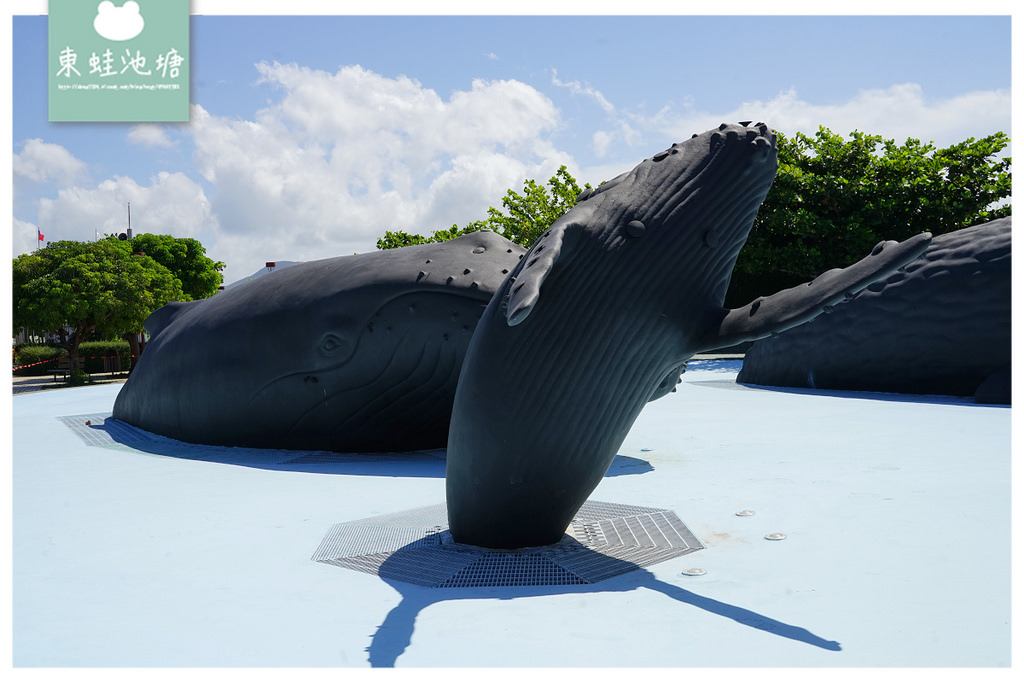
(415, 546)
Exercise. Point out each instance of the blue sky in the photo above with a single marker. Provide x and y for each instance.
(311, 136)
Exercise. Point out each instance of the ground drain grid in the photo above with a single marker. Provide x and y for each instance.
(100, 429)
(415, 546)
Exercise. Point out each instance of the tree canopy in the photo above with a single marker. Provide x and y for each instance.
(832, 201)
(87, 286)
(186, 258)
(529, 214)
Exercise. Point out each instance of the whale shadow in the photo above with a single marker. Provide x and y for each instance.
(424, 463)
(927, 399)
(394, 635)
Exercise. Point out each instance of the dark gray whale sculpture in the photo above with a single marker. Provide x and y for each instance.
(355, 353)
(600, 316)
(941, 326)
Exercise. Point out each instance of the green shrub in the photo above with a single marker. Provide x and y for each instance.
(79, 377)
(93, 353)
(34, 355)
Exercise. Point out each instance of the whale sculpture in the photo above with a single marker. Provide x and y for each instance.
(600, 316)
(941, 326)
(355, 354)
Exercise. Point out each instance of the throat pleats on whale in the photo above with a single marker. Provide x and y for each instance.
(599, 318)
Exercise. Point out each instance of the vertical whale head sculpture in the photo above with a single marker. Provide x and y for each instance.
(692, 203)
(600, 316)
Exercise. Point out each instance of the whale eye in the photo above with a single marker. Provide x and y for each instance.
(333, 344)
(635, 228)
(711, 238)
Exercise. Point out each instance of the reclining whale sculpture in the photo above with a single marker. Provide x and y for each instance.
(941, 326)
(355, 353)
(600, 316)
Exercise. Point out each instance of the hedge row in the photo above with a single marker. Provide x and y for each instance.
(42, 359)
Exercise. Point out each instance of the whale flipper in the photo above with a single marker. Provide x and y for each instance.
(534, 268)
(668, 385)
(797, 305)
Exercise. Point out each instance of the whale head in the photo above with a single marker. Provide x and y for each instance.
(694, 202)
(680, 216)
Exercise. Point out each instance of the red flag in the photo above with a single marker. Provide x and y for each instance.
(40, 235)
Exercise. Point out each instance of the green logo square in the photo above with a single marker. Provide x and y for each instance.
(121, 60)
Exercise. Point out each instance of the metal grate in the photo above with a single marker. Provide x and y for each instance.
(414, 546)
(99, 429)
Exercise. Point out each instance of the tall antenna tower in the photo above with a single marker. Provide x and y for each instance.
(129, 220)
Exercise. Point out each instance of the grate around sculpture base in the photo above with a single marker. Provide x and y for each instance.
(415, 546)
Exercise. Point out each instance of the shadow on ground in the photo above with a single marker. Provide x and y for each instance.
(395, 634)
(103, 430)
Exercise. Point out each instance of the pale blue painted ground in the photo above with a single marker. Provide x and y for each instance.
(896, 512)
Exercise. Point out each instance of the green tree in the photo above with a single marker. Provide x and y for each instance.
(399, 238)
(529, 214)
(71, 289)
(834, 199)
(186, 258)
(533, 212)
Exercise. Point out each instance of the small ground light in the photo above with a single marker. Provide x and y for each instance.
(775, 536)
(694, 572)
(745, 513)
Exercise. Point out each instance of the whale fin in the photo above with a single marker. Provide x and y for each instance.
(536, 266)
(668, 385)
(159, 319)
(797, 305)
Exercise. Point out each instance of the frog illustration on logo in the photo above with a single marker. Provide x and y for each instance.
(118, 23)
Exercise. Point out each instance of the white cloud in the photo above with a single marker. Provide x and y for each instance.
(172, 204)
(897, 112)
(24, 238)
(43, 162)
(622, 130)
(621, 126)
(339, 158)
(342, 157)
(600, 141)
(150, 135)
(578, 88)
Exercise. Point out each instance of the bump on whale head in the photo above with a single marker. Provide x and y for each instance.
(695, 200)
(679, 217)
